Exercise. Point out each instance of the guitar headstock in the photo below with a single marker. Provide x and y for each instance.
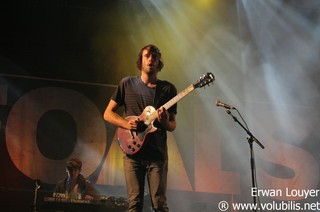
(204, 80)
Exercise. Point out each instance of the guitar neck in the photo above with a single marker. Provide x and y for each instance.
(171, 102)
(178, 97)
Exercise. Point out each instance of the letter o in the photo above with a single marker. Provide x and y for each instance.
(21, 132)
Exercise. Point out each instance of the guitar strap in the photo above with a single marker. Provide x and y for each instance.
(157, 94)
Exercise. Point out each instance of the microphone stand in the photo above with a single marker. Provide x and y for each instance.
(37, 186)
(251, 139)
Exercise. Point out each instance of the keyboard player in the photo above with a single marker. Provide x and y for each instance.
(75, 186)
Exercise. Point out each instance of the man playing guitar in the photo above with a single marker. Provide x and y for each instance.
(144, 142)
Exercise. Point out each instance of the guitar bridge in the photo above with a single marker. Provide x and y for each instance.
(132, 136)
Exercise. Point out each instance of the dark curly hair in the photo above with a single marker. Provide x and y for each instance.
(152, 50)
(74, 163)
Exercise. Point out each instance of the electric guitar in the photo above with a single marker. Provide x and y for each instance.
(131, 141)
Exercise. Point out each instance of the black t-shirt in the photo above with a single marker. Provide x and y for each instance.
(84, 187)
(135, 96)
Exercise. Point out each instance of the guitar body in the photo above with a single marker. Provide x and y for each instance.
(131, 141)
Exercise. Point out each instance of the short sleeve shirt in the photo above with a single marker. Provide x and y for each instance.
(135, 96)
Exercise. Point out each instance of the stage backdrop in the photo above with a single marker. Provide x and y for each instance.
(44, 123)
(60, 61)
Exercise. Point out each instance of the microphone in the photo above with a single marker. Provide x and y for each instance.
(221, 104)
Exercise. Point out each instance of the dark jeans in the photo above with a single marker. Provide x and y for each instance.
(156, 172)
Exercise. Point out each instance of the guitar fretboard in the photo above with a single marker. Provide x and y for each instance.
(170, 103)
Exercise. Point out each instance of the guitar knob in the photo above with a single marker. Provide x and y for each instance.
(129, 147)
(134, 142)
(138, 145)
(133, 150)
